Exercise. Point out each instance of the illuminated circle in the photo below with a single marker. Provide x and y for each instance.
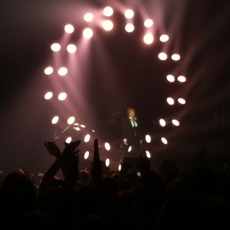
(49, 70)
(62, 96)
(130, 149)
(88, 17)
(129, 14)
(129, 27)
(107, 25)
(87, 33)
(148, 138)
(148, 23)
(55, 120)
(69, 29)
(68, 139)
(148, 154)
(70, 120)
(107, 162)
(55, 47)
(108, 11)
(170, 101)
(162, 122)
(162, 56)
(176, 57)
(164, 140)
(62, 71)
(170, 78)
(83, 126)
(181, 101)
(119, 167)
(148, 38)
(71, 48)
(87, 138)
(107, 146)
(48, 95)
(86, 155)
(175, 122)
(181, 79)
(164, 38)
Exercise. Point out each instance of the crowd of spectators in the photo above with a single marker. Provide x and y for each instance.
(84, 199)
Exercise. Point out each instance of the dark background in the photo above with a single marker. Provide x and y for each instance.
(117, 71)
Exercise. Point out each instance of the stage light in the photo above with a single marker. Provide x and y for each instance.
(87, 33)
(88, 17)
(76, 124)
(170, 78)
(148, 23)
(162, 56)
(86, 155)
(148, 38)
(148, 138)
(129, 14)
(69, 29)
(164, 38)
(83, 126)
(162, 122)
(107, 25)
(181, 79)
(55, 120)
(170, 101)
(108, 11)
(77, 128)
(68, 139)
(175, 122)
(119, 167)
(164, 140)
(129, 27)
(49, 70)
(48, 95)
(71, 48)
(107, 162)
(148, 154)
(62, 71)
(107, 146)
(62, 96)
(55, 47)
(87, 138)
(71, 120)
(130, 148)
(175, 57)
(181, 101)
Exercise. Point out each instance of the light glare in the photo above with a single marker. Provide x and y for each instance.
(164, 38)
(148, 138)
(107, 162)
(129, 14)
(162, 122)
(55, 120)
(62, 96)
(68, 140)
(55, 47)
(148, 23)
(69, 29)
(86, 155)
(148, 38)
(129, 27)
(107, 25)
(148, 154)
(175, 57)
(164, 140)
(87, 33)
(48, 95)
(62, 71)
(87, 138)
(175, 122)
(181, 79)
(49, 70)
(170, 101)
(71, 120)
(71, 48)
(162, 56)
(107, 146)
(88, 17)
(181, 101)
(170, 78)
(108, 11)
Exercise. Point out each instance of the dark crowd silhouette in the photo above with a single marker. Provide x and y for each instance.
(88, 199)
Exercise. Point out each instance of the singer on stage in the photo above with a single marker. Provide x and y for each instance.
(131, 133)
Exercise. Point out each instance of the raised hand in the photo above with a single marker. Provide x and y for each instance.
(96, 172)
(52, 149)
